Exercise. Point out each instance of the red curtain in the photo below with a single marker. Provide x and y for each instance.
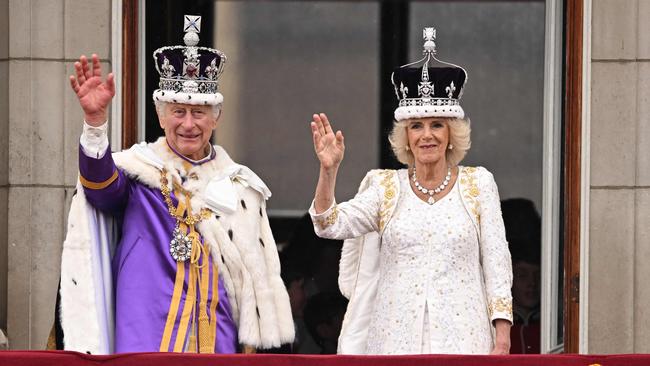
(30, 358)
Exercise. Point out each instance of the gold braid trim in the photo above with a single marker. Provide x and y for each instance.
(329, 220)
(98, 185)
(389, 194)
(501, 305)
(198, 282)
(471, 191)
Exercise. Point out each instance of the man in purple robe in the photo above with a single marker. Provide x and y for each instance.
(168, 245)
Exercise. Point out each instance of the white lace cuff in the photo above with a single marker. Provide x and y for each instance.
(94, 140)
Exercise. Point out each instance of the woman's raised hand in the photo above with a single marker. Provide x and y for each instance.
(329, 146)
(94, 94)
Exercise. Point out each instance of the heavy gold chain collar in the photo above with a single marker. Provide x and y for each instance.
(188, 219)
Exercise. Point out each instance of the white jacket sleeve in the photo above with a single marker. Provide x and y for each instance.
(350, 219)
(496, 262)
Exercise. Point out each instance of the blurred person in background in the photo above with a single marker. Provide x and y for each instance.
(323, 317)
(523, 232)
(309, 267)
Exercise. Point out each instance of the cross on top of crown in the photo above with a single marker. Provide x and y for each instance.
(429, 35)
(192, 27)
(192, 23)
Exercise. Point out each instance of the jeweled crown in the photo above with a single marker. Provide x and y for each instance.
(427, 90)
(189, 74)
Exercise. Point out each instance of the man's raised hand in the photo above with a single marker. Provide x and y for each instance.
(93, 93)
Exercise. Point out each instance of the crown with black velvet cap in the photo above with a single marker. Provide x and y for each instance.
(189, 74)
(429, 87)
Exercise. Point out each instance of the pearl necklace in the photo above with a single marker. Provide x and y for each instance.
(436, 190)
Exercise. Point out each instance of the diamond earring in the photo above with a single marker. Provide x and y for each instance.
(450, 146)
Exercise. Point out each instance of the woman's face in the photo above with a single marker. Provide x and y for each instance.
(428, 139)
(188, 128)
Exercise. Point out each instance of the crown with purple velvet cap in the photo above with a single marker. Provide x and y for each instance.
(424, 90)
(189, 74)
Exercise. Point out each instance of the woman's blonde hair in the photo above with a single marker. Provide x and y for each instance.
(459, 137)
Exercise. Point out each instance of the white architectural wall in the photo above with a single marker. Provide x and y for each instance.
(620, 178)
(44, 123)
(4, 142)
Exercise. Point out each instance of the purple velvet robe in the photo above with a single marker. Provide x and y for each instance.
(143, 270)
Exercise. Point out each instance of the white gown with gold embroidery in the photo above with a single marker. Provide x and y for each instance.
(433, 294)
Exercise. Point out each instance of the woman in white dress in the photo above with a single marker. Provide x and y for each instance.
(443, 274)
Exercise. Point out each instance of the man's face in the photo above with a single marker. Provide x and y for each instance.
(525, 284)
(188, 128)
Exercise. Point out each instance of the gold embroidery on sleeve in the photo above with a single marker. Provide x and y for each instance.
(389, 194)
(471, 192)
(329, 220)
(501, 305)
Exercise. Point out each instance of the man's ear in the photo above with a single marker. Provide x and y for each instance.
(219, 116)
(216, 120)
(161, 114)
